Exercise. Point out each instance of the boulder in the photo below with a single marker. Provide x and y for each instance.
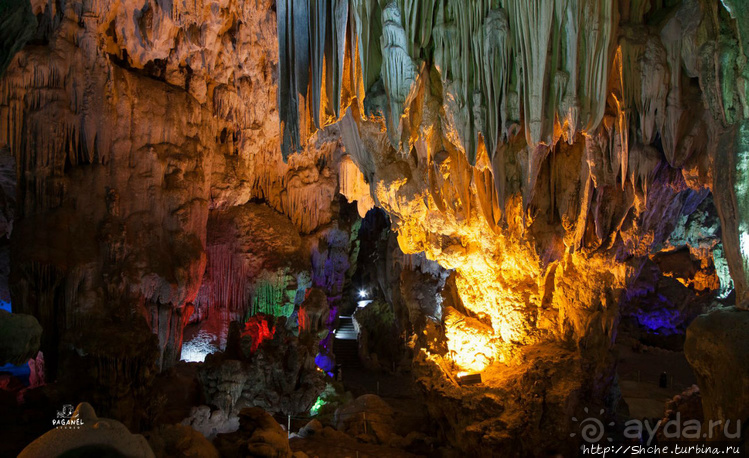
(311, 428)
(280, 377)
(20, 336)
(716, 347)
(209, 423)
(180, 440)
(259, 435)
(368, 415)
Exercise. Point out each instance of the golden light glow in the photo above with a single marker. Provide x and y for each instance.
(470, 341)
(509, 294)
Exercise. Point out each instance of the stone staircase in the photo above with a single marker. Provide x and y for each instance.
(345, 344)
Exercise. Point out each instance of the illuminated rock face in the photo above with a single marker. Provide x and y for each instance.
(131, 123)
(540, 150)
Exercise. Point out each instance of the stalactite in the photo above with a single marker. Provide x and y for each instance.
(478, 53)
(399, 72)
(335, 52)
(290, 65)
(318, 16)
(622, 128)
(500, 175)
(532, 24)
(595, 20)
(227, 285)
(494, 49)
(369, 29)
(531, 159)
(644, 163)
(354, 145)
(273, 293)
(654, 77)
(417, 22)
(353, 186)
(487, 196)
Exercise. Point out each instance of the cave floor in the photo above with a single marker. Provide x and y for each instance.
(336, 447)
(639, 373)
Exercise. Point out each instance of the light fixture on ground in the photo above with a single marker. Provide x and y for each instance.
(468, 378)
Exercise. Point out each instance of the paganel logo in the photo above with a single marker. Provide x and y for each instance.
(67, 418)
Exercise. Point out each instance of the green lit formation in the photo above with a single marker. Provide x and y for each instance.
(317, 406)
(274, 294)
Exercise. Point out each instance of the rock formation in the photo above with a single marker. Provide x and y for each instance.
(542, 151)
(20, 336)
(187, 172)
(130, 125)
(716, 348)
(258, 435)
(180, 440)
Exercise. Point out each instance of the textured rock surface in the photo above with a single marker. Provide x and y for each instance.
(130, 124)
(17, 23)
(520, 410)
(210, 423)
(280, 377)
(367, 414)
(20, 336)
(716, 347)
(531, 156)
(543, 152)
(180, 440)
(380, 345)
(258, 435)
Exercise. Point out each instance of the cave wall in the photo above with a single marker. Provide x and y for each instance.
(543, 151)
(140, 132)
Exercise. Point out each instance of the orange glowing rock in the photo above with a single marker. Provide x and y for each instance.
(469, 340)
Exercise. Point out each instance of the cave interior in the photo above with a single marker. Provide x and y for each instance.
(374, 228)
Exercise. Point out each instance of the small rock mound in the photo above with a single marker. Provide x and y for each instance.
(259, 435)
(180, 440)
(20, 336)
(368, 416)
